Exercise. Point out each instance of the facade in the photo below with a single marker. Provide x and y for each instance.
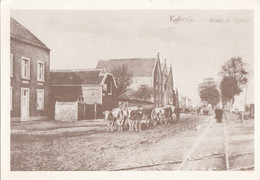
(169, 88)
(167, 85)
(185, 102)
(146, 72)
(29, 75)
(91, 86)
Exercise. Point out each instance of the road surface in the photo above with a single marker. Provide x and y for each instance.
(194, 143)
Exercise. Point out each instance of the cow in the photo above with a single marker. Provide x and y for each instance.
(157, 115)
(117, 114)
(169, 113)
(135, 117)
(123, 116)
(162, 116)
(110, 120)
(147, 116)
(131, 120)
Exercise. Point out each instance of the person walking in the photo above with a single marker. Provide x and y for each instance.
(177, 113)
(218, 114)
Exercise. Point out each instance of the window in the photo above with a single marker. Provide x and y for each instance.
(40, 99)
(110, 88)
(25, 68)
(11, 98)
(40, 71)
(11, 65)
(105, 87)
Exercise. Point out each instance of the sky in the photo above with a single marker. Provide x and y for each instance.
(196, 42)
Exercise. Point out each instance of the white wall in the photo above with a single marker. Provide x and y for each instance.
(93, 94)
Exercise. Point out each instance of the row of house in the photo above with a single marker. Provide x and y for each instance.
(35, 89)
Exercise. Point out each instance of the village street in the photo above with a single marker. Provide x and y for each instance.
(196, 142)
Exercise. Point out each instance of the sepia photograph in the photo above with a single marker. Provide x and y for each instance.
(132, 90)
(142, 89)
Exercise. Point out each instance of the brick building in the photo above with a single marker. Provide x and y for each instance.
(146, 72)
(30, 73)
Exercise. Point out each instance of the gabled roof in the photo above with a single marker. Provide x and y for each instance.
(78, 77)
(141, 67)
(20, 32)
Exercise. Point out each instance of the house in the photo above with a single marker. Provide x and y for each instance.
(146, 72)
(91, 86)
(185, 103)
(29, 75)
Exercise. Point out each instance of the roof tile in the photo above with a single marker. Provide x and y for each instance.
(22, 33)
(76, 77)
(141, 67)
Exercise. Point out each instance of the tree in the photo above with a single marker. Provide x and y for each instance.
(144, 93)
(208, 91)
(235, 67)
(234, 77)
(124, 78)
(229, 88)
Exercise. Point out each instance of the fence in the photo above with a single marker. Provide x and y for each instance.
(89, 111)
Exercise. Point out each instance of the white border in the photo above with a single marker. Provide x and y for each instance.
(116, 4)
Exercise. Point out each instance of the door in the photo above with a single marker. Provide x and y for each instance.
(24, 104)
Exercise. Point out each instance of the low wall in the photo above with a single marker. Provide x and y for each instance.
(66, 111)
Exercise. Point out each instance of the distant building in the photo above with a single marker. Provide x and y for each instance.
(146, 72)
(89, 86)
(185, 102)
(30, 73)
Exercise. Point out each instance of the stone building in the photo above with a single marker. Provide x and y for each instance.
(29, 75)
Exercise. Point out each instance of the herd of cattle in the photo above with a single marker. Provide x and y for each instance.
(134, 117)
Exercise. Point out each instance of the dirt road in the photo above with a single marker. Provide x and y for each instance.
(89, 147)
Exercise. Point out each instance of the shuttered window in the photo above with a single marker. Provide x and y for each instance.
(40, 71)
(25, 68)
